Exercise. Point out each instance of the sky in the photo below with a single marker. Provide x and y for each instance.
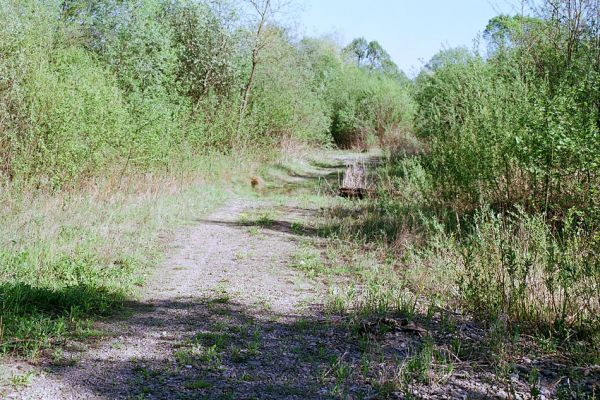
(412, 31)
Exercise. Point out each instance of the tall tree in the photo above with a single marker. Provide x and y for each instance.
(357, 50)
(264, 11)
(373, 56)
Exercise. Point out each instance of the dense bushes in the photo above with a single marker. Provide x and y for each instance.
(66, 115)
(79, 110)
(145, 83)
(503, 200)
(77, 115)
(521, 127)
(516, 137)
(285, 103)
(472, 120)
(363, 103)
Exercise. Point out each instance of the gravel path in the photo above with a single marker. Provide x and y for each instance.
(224, 278)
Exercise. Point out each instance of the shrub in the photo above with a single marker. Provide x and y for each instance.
(522, 127)
(285, 103)
(516, 268)
(363, 101)
(72, 114)
(472, 121)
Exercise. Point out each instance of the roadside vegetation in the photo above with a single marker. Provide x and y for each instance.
(488, 211)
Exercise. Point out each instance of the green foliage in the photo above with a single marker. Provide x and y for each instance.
(111, 86)
(372, 55)
(21, 52)
(521, 128)
(140, 51)
(357, 50)
(497, 215)
(71, 115)
(285, 103)
(470, 120)
(207, 49)
(363, 99)
(515, 268)
(507, 195)
(447, 58)
(367, 104)
(77, 114)
(504, 31)
(70, 257)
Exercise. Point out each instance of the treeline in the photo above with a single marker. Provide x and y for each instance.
(89, 87)
(510, 171)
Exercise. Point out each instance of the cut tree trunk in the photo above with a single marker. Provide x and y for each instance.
(354, 185)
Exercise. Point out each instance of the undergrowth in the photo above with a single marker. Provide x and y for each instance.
(486, 287)
(511, 267)
(69, 258)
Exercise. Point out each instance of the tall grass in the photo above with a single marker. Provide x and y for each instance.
(68, 258)
(514, 269)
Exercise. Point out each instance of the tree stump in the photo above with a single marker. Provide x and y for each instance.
(354, 185)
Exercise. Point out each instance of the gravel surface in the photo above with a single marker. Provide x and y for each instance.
(220, 272)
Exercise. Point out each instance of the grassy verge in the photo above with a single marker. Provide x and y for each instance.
(508, 266)
(70, 257)
(489, 293)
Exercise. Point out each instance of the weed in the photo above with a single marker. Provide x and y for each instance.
(24, 379)
(418, 367)
(219, 340)
(262, 218)
(246, 377)
(198, 384)
(309, 260)
(253, 230)
(239, 355)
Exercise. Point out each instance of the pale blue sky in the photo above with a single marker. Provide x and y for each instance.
(410, 30)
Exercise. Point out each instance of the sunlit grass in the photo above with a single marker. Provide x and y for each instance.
(69, 257)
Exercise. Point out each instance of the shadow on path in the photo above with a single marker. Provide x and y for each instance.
(226, 350)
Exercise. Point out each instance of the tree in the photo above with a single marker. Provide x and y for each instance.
(504, 31)
(372, 55)
(446, 57)
(206, 49)
(376, 55)
(264, 11)
(357, 50)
